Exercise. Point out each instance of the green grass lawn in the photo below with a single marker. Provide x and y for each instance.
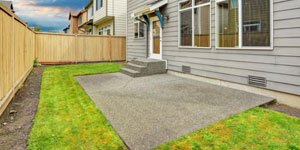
(68, 119)
(257, 128)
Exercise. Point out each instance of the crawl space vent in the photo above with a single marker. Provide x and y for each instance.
(257, 81)
(186, 69)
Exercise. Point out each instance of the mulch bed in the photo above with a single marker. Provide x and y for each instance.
(285, 109)
(17, 120)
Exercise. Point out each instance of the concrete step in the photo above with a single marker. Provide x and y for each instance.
(144, 67)
(136, 67)
(130, 72)
(144, 62)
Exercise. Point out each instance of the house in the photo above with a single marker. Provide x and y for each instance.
(8, 4)
(110, 17)
(251, 45)
(73, 23)
(87, 24)
(80, 23)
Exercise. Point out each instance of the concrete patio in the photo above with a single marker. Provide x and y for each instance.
(149, 111)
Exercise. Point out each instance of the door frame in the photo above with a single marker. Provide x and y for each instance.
(152, 55)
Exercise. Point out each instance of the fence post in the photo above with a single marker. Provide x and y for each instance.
(110, 47)
(76, 48)
(14, 51)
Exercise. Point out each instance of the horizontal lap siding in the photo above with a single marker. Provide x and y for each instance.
(280, 66)
(136, 48)
(119, 9)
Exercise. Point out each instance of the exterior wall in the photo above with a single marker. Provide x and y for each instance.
(281, 65)
(115, 9)
(136, 48)
(84, 18)
(100, 13)
(73, 25)
(90, 11)
(118, 9)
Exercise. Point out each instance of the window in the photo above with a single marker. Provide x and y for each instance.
(258, 32)
(80, 20)
(194, 23)
(108, 32)
(90, 13)
(99, 4)
(105, 30)
(243, 23)
(139, 29)
(101, 31)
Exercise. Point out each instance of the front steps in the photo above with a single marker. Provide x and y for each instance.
(144, 67)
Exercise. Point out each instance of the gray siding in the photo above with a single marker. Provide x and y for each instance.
(281, 66)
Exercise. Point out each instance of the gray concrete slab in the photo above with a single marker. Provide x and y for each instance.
(149, 111)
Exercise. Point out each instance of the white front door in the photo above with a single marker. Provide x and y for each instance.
(155, 39)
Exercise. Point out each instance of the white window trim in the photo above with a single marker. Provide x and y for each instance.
(138, 22)
(271, 47)
(193, 21)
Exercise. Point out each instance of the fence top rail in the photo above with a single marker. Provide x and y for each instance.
(62, 34)
(10, 13)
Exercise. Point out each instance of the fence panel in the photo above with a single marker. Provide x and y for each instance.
(61, 48)
(16, 54)
(1, 56)
(55, 48)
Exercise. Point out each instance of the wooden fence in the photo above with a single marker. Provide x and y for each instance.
(62, 48)
(19, 46)
(16, 55)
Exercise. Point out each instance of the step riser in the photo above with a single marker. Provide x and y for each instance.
(139, 63)
(135, 68)
(145, 67)
(134, 75)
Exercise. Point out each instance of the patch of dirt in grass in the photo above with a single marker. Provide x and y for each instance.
(17, 120)
(285, 109)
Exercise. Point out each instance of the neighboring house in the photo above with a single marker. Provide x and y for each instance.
(87, 24)
(110, 17)
(8, 4)
(249, 42)
(80, 23)
(73, 19)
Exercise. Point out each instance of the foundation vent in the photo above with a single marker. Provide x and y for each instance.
(257, 81)
(186, 69)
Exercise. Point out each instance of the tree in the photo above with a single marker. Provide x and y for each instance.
(37, 28)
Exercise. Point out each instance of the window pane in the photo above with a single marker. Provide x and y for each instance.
(142, 29)
(199, 2)
(202, 26)
(256, 23)
(136, 30)
(228, 24)
(186, 4)
(186, 28)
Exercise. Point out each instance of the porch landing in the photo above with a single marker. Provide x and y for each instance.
(149, 111)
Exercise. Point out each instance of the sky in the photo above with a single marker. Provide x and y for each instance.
(50, 15)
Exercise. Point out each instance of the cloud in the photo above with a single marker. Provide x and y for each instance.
(49, 14)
